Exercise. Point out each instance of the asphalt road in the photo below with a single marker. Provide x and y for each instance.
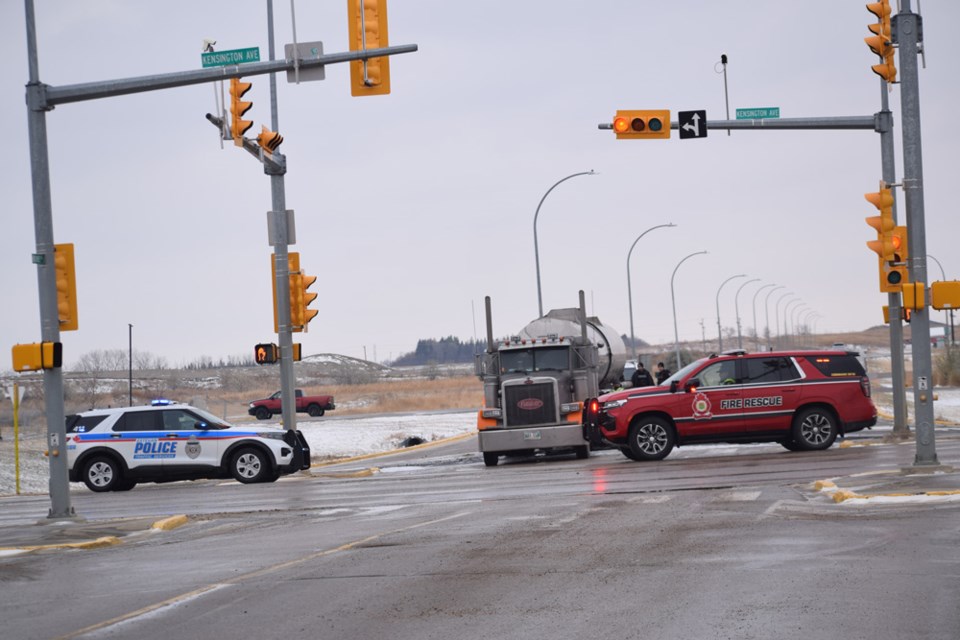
(710, 543)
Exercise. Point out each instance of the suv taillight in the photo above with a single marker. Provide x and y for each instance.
(865, 385)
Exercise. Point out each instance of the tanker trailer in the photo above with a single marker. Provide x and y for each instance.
(534, 383)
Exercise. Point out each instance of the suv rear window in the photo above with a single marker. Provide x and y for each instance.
(82, 424)
(838, 366)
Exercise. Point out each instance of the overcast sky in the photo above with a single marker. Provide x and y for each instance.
(412, 207)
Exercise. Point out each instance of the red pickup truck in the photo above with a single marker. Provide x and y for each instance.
(313, 405)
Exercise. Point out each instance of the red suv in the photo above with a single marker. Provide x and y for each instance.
(801, 399)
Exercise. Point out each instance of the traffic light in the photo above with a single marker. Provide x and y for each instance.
(239, 126)
(913, 296)
(894, 273)
(883, 223)
(269, 140)
(66, 276)
(306, 297)
(293, 267)
(36, 356)
(635, 125)
(881, 40)
(265, 353)
(367, 26)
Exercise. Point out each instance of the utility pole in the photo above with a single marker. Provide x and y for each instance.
(907, 27)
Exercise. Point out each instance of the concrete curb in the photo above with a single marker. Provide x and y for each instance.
(168, 524)
(839, 495)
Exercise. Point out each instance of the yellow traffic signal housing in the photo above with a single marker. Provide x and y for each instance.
(642, 125)
(306, 298)
(883, 223)
(293, 266)
(894, 273)
(296, 302)
(239, 126)
(36, 356)
(265, 353)
(296, 351)
(880, 42)
(66, 276)
(945, 295)
(913, 295)
(367, 26)
(269, 140)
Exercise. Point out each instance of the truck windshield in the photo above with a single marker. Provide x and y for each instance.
(531, 360)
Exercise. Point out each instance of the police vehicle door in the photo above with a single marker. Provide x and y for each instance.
(714, 406)
(195, 446)
(136, 436)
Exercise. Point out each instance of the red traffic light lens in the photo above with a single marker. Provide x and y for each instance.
(637, 124)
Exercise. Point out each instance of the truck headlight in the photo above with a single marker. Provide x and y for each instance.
(570, 407)
(613, 404)
(492, 413)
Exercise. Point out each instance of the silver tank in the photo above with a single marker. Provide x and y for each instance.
(612, 353)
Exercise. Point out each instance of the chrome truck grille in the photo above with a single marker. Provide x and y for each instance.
(529, 404)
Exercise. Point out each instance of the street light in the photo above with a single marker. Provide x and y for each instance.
(736, 307)
(756, 330)
(633, 340)
(536, 246)
(673, 301)
(776, 312)
(795, 319)
(943, 277)
(719, 331)
(787, 317)
(766, 306)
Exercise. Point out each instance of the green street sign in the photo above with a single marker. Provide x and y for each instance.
(234, 56)
(759, 112)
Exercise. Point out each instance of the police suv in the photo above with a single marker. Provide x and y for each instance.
(800, 399)
(114, 449)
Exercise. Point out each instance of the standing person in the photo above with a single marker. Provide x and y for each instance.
(641, 377)
(662, 373)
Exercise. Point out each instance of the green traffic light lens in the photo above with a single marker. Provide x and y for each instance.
(655, 124)
(894, 277)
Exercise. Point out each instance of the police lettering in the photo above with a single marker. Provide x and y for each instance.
(155, 449)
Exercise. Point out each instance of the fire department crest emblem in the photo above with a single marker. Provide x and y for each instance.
(701, 406)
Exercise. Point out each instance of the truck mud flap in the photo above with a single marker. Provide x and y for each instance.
(301, 450)
(590, 419)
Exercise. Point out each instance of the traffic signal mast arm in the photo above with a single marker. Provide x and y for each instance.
(875, 122)
(43, 97)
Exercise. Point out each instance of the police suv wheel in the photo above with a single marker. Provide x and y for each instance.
(814, 429)
(102, 473)
(651, 438)
(249, 465)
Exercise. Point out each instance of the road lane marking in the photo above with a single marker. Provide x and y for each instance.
(195, 593)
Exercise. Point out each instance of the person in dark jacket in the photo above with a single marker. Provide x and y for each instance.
(662, 373)
(641, 377)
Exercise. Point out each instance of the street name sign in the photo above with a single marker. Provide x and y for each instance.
(233, 56)
(758, 112)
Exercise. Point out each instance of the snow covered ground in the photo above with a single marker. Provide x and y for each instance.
(342, 437)
(330, 437)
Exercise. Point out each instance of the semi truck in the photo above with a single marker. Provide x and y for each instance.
(535, 382)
